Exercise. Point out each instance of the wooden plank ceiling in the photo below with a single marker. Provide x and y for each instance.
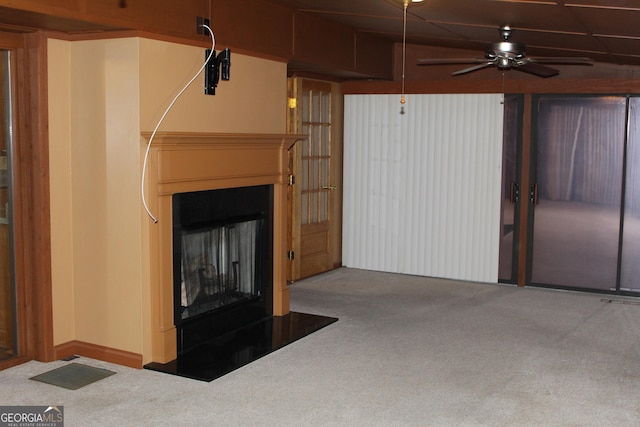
(604, 30)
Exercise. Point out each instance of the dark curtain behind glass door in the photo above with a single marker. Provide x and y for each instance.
(576, 224)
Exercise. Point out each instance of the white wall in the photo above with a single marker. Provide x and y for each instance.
(422, 189)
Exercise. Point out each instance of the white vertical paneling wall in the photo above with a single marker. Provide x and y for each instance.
(422, 189)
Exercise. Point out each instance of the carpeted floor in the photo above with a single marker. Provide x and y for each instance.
(406, 351)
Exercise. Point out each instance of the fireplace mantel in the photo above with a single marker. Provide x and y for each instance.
(183, 162)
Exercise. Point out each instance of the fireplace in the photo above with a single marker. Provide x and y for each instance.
(222, 262)
(185, 164)
(217, 262)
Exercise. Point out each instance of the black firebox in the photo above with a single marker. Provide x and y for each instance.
(222, 262)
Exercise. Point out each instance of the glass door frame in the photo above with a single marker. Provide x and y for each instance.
(512, 192)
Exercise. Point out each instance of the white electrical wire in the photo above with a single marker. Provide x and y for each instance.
(153, 134)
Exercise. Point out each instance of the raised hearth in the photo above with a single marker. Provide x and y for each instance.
(245, 345)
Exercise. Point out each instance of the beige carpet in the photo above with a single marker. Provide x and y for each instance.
(407, 351)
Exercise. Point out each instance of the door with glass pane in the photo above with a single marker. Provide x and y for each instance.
(576, 191)
(7, 294)
(316, 192)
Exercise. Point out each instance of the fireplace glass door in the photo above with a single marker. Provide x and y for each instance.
(219, 266)
(222, 262)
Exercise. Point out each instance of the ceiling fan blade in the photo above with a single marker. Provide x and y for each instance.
(537, 70)
(562, 60)
(474, 68)
(450, 61)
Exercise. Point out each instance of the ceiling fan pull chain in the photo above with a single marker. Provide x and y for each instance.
(404, 52)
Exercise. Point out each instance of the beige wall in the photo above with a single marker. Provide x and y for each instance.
(60, 183)
(253, 101)
(102, 94)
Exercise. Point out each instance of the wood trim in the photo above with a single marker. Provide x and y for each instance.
(295, 166)
(31, 207)
(11, 40)
(204, 43)
(337, 168)
(14, 361)
(31, 222)
(107, 35)
(99, 352)
(606, 86)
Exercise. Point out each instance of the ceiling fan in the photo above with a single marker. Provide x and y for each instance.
(507, 55)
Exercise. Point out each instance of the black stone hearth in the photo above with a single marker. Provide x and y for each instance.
(227, 353)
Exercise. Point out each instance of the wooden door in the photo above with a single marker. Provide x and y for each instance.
(316, 190)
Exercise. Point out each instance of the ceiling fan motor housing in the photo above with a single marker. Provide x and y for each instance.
(504, 53)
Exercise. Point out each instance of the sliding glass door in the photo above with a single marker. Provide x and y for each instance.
(577, 191)
(630, 259)
(7, 288)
